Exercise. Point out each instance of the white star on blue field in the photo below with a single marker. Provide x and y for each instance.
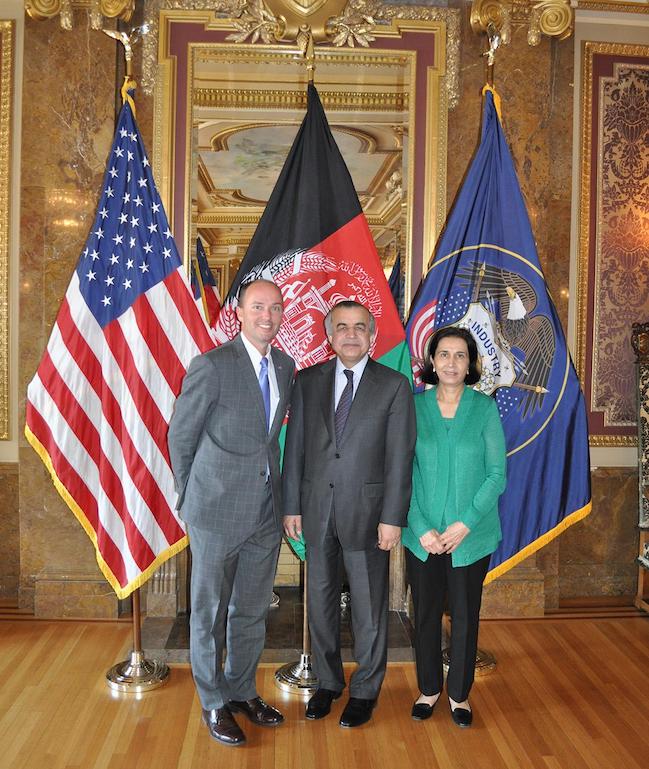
(454, 307)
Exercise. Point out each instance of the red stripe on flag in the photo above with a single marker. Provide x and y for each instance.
(213, 305)
(78, 348)
(158, 343)
(136, 468)
(146, 406)
(188, 311)
(88, 435)
(78, 490)
(156, 426)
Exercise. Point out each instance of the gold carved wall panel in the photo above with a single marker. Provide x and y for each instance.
(614, 234)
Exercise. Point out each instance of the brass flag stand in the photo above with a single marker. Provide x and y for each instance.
(298, 677)
(137, 674)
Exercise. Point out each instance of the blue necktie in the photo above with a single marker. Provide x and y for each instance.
(265, 389)
(344, 405)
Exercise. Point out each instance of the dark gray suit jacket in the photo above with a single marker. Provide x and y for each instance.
(368, 477)
(218, 443)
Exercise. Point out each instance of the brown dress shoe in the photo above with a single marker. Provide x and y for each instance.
(257, 711)
(223, 727)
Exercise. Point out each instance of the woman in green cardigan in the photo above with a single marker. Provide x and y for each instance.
(453, 524)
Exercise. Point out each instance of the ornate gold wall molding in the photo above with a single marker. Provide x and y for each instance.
(552, 18)
(362, 20)
(240, 98)
(612, 255)
(618, 6)
(97, 9)
(7, 36)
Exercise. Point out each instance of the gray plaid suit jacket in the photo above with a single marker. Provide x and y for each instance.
(218, 444)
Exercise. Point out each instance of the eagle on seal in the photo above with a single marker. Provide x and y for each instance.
(518, 327)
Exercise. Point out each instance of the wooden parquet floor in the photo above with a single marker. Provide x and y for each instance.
(567, 694)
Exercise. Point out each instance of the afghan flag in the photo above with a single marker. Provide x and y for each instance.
(486, 277)
(314, 242)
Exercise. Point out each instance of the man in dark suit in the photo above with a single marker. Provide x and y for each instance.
(225, 458)
(347, 482)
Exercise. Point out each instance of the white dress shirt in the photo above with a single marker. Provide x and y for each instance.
(255, 357)
(340, 379)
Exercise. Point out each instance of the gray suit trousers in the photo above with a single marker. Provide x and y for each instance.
(367, 571)
(231, 588)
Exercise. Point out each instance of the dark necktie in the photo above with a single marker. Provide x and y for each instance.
(265, 389)
(344, 404)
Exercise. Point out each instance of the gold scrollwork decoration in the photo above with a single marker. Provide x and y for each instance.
(485, 11)
(353, 25)
(289, 20)
(552, 18)
(343, 23)
(97, 9)
(257, 22)
(557, 18)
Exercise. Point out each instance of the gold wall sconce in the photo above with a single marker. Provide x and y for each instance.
(552, 18)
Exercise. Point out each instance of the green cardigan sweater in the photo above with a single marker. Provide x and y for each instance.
(475, 443)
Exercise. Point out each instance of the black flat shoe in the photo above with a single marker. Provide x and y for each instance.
(462, 717)
(422, 710)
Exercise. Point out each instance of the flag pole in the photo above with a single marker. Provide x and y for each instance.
(485, 661)
(307, 49)
(298, 677)
(137, 674)
(494, 42)
(201, 287)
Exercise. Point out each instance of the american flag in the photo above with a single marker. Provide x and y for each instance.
(206, 294)
(99, 405)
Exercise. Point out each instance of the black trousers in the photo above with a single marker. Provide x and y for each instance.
(433, 582)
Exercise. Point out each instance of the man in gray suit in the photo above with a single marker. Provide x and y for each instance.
(347, 482)
(225, 458)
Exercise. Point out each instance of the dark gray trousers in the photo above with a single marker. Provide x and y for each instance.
(367, 572)
(231, 588)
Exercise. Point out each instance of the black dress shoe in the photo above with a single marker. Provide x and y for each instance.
(223, 727)
(319, 705)
(257, 711)
(462, 717)
(422, 710)
(357, 711)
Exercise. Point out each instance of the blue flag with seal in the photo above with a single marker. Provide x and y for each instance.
(486, 277)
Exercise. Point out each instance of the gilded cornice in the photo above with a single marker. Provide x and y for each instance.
(612, 5)
(379, 19)
(243, 98)
(98, 10)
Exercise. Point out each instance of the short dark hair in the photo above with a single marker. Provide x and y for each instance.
(348, 304)
(429, 375)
